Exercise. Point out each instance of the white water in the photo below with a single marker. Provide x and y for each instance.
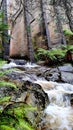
(31, 65)
(59, 113)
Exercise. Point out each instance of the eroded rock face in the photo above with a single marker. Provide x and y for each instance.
(29, 93)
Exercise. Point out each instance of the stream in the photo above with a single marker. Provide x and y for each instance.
(59, 112)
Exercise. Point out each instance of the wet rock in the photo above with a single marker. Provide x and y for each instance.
(67, 77)
(28, 93)
(36, 91)
(19, 62)
(66, 68)
(52, 75)
(71, 100)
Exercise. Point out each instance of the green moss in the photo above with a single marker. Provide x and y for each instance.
(4, 99)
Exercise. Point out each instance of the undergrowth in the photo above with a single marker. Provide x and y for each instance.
(2, 62)
(14, 117)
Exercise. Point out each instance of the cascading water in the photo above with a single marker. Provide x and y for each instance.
(59, 113)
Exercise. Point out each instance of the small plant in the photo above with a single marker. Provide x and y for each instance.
(68, 32)
(69, 52)
(14, 117)
(7, 84)
(2, 62)
(51, 55)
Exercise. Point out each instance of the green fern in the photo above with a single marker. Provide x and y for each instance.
(14, 117)
(53, 54)
(7, 84)
(68, 32)
(5, 127)
(67, 48)
(23, 125)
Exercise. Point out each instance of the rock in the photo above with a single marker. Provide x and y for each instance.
(19, 62)
(46, 85)
(66, 68)
(71, 100)
(67, 77)
(41, 63)
(52, 75)
(36, 91)
(29, 93)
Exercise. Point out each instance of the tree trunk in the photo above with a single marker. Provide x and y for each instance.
(44, 25)
(59, 24)
(68, 11)
(28, 29)
(5, 20)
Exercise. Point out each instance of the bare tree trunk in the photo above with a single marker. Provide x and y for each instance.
(28, 29)
(5, 20)
(44, 24)
(59, 24)
(68, 11)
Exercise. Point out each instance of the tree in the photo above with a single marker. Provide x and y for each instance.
(55, 5)
(44, 25)
(3, 35)
(68, 10)
(4, 25)
(28, 29)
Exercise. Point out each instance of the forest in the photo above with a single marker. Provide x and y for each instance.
(36, 65)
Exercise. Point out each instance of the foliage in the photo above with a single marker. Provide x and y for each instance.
(4, 37)
(4, 72)
(3, 26)
(68, 32)
(67, 48)
(2, 62)
(4, 99)
(54, 54)
(14, 117)
(4, 83)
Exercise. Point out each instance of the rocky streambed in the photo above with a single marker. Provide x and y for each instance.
(48, 92)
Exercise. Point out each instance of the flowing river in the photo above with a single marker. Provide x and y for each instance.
(59, 113)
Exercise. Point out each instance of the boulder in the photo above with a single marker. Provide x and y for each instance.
(67, 77)
(30, 94)
(52, 75)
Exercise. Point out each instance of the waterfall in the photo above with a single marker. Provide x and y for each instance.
(59, 113)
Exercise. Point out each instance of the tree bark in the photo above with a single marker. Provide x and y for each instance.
(44, 28)
(5, 20)
(68, 11)
(59, 24)
(28, 30)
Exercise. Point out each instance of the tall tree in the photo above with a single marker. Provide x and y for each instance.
(44, 25)
(5, 21)
(68, 6)
(58, 21)
(28, 29)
